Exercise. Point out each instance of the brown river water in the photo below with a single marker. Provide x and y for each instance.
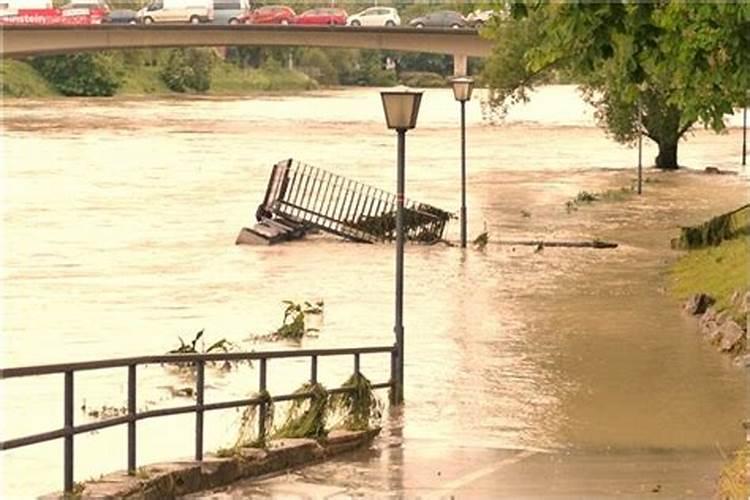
(118, 229)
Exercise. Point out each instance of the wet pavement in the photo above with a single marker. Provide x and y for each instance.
(427, 469)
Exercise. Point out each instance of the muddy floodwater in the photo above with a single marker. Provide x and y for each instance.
(119, 219)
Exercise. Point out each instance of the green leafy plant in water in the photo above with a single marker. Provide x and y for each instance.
(360, 407)
(587, 197)
(293, 326)
(307, 417)
(247, 434)
(222, 345)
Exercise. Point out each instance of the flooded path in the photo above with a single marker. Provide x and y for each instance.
(119, 219)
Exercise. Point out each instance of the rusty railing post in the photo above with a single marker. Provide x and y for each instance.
(313, 369)
(263, 409)
(393, 393)
(68, 446)
(199, 386)
(356, 363)
(131, 422)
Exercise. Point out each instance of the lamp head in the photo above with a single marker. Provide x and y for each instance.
(462, 87)
(401, 108)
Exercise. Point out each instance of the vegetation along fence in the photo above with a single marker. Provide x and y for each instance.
(69, 429)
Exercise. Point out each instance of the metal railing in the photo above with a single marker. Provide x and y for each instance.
(345, 207)
(69, 429)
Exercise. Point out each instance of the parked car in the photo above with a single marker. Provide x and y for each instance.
(375, 16)
(230, 11)
(270, 14)
(440, 19)
(322, 16)
(42, 12)
(121, 16)
(177, 11)
(98, 8)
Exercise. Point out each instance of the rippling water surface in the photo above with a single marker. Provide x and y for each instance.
(119, 221)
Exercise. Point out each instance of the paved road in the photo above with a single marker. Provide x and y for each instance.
(428, 469)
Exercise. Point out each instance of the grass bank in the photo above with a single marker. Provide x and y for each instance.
(21, 80)
(733, 480)
(718, 271)
(228, 79)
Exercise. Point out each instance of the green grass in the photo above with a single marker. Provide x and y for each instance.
(19, 79)
(228, 79)
(143, 80)
(733, 480)
(422, 79)
(718, 271)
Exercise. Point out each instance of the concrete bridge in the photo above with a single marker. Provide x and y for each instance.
(22, 41)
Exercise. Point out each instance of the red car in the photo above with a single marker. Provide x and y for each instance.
(270, 14)
(322, 16)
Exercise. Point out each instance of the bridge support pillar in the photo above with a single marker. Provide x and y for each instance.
(460, 65)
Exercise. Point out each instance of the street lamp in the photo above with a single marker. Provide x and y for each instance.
(401, 110)
(462, 88)
(642, 87)
(744, 128)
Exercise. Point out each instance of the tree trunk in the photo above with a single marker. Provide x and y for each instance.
(667, 157)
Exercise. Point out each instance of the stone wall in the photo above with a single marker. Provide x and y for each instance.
(726, 329)
(172, 479)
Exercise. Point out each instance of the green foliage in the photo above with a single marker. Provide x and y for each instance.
(19, 79)
(247, 434)
(682, 62)
(588, 197)
(293, 325)
(441, 64)
(360, 406)
(316, 64)
(188, 69)
(307, 417)
(83, 74)
(228, 79)
(422, 79)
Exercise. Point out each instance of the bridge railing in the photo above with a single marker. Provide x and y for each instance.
(198, 362)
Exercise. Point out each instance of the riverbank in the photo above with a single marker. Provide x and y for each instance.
(713, 277)
(21, 79)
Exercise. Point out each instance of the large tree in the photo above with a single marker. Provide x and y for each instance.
(684, 63)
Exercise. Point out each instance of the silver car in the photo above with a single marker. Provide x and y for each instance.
(375, 16)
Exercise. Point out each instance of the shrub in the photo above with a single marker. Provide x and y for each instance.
(188, 69)
(84, 74)
(316, 64)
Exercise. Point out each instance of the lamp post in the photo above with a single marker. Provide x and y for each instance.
(744, 129)
(401, 110)
(640, 146)
(642, 87)
(462, 88)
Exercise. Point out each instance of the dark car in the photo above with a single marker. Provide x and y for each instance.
(440, 19)
(120, 16)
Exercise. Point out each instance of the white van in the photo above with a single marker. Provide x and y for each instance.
(177, 11)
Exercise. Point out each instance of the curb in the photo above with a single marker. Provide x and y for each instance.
(172, 479)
